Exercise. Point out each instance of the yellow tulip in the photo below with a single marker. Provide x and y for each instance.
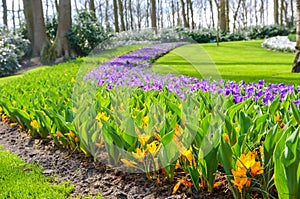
(128, 163)
(34, 124)
(139, 155)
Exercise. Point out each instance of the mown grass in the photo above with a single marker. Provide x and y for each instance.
(235, 61)
(84, 63)
(21, 180)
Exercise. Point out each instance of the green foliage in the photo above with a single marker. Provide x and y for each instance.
(12, 49)
(86, 33)
(210, 36)
(21, 180)
(292, 37)
(263, 32)
(256, 32)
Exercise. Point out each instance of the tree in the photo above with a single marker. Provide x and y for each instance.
(121, 10)
(222, 15)
(185, 21)
(276, 18)
(116, 16)
(131, 15)
(36, 27)
(4, 5)
(153, 15)
(192, 13)
(92, 8)
(296, 64)
(64, 25)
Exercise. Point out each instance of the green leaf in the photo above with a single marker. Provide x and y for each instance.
(195, 176)
(296, 113)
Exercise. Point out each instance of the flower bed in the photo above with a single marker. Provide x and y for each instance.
(279, 43)
(165, 125)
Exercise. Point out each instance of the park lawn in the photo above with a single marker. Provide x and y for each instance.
(83, 63)
(21, 180)
(235, 61)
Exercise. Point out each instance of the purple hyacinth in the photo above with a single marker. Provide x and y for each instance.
(133, 71)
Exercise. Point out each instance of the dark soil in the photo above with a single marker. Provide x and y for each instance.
(90, 177)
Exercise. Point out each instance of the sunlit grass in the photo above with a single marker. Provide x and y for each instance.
(235, 61)
(21, 180)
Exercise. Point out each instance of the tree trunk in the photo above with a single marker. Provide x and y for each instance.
(36, 27)
(92, 8)
(147, 14)
(161, 14)
(227, 16)
(131, 15)
(13, 15)
(19, 15)
(296, 64)
(292, 12)
(106, 15)
(262, 12)
(212, 13)
(139, 15)
(281, 12)
(173, 13)
(222, 15)
(153, 15)
(276, 18)
(4, 4)
(185, 22)
(64, 25)
(192, 13)
(121, 11)
(116, 16)
(27, 4)
(126, 15)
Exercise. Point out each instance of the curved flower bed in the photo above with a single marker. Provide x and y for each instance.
(133, 71)
(250, 130)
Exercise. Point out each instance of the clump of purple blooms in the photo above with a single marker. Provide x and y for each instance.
(133, 70)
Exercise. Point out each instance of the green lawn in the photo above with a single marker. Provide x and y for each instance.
(236, 61)
(21, 180)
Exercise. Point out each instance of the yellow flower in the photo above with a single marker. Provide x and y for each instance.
(145, 121)
(246, 161)
(58, 134)
(189, 155)
(71, 134)
(73, 80)
(34, 124)
(4, 118)
(144, 139)
(14, 102)
(226, 137)
(179, 106)
(257, 169)
(139, 155)
(1, 110)
(24, 108)
(240, 179)
(102, 116)
(277, 118)
(152, 148)
(178, 130)
(128, 163)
